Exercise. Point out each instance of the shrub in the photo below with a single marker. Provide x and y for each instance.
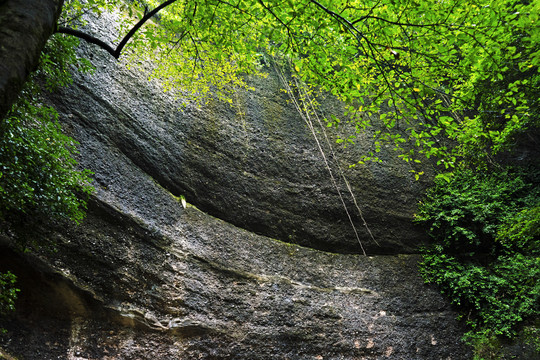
(485, 254)
(8, 293)
(39, 175)
(39, 179)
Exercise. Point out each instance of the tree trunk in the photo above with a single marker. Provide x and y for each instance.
(25, 26)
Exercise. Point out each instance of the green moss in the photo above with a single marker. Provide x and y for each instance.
(487, 348)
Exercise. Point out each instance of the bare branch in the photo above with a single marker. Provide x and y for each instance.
(86, 37)
(114, 52)
(138, 25)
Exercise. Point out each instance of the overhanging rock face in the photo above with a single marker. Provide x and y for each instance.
(254, 164)
(144, 278)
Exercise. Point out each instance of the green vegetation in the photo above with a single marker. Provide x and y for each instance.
(455, 82)
(8, 294)
(486, 252)
(39, 182)
(457, 79)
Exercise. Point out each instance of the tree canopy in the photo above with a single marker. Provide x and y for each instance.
(458, 79)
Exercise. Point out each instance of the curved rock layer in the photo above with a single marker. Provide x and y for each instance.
(145, 278)
(254, 164)
(200, 288)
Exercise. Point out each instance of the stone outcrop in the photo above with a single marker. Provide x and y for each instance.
(254, 164)
(145, 278)
(202, 288)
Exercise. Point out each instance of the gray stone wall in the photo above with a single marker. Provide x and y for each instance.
(145, 278)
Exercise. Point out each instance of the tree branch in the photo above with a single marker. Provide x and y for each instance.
(139, 24)
(279, 20)
(114, 52)
(89, 38)
(338, 17)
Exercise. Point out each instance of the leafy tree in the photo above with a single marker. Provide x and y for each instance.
(458, 79)
(419, 68)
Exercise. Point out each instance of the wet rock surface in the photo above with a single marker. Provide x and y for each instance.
(145, 278)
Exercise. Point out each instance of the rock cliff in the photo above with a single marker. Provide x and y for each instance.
(263, 265)
(254, 164)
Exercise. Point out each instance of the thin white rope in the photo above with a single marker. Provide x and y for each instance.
(335, 158)
(307, 119)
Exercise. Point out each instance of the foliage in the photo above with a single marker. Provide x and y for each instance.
(465, 215)
(532, 336)
(520, 230)
(486, 252)
(56, 66)
(457, 79)
(8, 292)
(39, 179)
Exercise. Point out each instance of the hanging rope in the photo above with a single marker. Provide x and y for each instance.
(304, 112)
(333, 155)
